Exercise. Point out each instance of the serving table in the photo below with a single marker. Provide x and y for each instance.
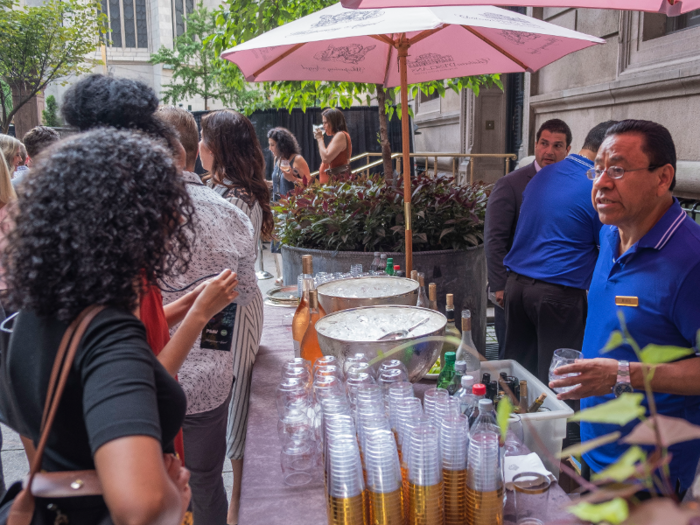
(265, 499)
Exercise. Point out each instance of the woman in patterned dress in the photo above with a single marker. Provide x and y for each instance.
(231, 152)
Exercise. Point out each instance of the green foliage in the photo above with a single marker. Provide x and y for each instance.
(614, 341)
(619, 411)
(656, 354)
(624, 468)
(614, 511)
(238, 21)
(43, 44)
(505, 407)
(50, 114)
(5, 97)
(199, 72)
(366, 214)
(586, 446)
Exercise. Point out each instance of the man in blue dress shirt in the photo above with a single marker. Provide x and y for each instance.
(552, 260)
(649, 270)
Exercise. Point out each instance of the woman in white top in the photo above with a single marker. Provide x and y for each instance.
(231, 152)
(10, 148)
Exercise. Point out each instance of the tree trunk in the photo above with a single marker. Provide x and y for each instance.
(384, 135)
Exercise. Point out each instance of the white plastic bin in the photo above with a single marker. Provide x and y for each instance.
(549, 425)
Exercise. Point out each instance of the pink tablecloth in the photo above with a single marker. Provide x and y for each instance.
(265, 499)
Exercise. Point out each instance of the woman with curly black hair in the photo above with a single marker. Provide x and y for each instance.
(290, 167)
(231, 152)
(95, 225)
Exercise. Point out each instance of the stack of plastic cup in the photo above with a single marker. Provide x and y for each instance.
(362, 366)
(429, 398)
(445, 407)
(391, 364)
(425, 492)
(397, 392)
(388, 378)
(328, 370)
(454, 436)
(484, 478)
(353, 381)
(383, 479)
(344, 482)
(290, 371)
(325, 360)
(369, 394)
(351, 360)
(406, 409)
(368, 424)
(328, 386)
(410, 425)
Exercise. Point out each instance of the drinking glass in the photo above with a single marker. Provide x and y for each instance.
(356, 270)
(285, 167)
(298, 461)
(515, 436)
(561, 357)
(531, 497)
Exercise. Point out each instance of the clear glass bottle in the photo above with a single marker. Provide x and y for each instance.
(301, 316)
(456, 383)
(447, 372)
(467, 350)
(432, 296)
(423, 301)
(310, 348)
(382, 264)
(450, 330)
(467, 400)
(389, 270)
(376, 263)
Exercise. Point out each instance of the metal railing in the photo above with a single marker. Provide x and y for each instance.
(507, 157)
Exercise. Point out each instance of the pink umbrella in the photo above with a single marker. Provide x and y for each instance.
(666, 7)
(340, 44)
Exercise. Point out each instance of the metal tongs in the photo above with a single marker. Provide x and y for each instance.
(400, 334)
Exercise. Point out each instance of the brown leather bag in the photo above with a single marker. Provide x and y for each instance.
(65, 484)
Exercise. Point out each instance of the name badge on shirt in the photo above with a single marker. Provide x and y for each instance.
(218, 333)
(626, 300)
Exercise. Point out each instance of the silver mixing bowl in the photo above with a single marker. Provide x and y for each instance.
(333, 303)
(418, 358)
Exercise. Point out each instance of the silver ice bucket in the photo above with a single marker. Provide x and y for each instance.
(371, 290)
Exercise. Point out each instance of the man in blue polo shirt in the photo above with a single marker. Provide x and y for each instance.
(649, 270)
(552, 260)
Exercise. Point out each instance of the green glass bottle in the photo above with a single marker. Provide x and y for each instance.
(448, 371)
(389, 266)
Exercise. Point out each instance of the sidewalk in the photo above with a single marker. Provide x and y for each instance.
(14, 461)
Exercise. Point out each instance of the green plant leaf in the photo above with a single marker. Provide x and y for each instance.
(614, 511)
(505, 407)
(582, 448)
(624, 468)
(619, 411)
(654, 354)
(614, 341)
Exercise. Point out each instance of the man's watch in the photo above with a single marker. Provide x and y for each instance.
(623, 379)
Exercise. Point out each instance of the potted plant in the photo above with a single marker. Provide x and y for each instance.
(346, 221)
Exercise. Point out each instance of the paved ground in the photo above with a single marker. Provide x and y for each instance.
(14, 461)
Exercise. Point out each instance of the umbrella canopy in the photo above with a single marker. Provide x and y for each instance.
(338, 44)
(429, 43)
(666, 7)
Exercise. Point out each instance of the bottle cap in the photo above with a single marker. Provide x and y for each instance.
(432, 291)
(397, 267)
(466, 321)
(390, 261)
(485, 405)
(479, 390)
(450, 357)
(450, 300)
(307, 264)
(461, 366)
(421, 279)
(414, 275)
(382, 256)
(467, 382)
(376, 254)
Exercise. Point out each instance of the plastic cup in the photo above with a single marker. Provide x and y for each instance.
(298, 462)
(349, 361)
(362, 366)
(424, 459)
(531, 498)
(392, 364)
(328, 370)
(445, 407)
(429, 398)
(562, 357)
(325, 360)
(298, 361)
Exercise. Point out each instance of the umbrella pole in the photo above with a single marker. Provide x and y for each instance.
(406, 145)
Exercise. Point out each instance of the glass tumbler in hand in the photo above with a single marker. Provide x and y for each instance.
(562, 357)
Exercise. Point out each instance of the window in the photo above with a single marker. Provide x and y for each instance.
(181, 8)
(428, 98)
(128, 22)
(657, 25)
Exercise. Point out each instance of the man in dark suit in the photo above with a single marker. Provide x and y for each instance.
(553, 142)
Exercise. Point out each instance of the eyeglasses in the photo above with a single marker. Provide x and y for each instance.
(614, 172)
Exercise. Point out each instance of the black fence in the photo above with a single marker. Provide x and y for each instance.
(363, 126)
